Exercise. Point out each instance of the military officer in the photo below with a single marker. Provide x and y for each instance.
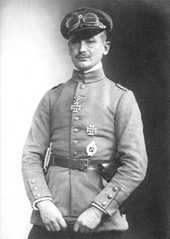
(78, 126)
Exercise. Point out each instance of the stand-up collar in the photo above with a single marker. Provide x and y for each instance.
(89, 77)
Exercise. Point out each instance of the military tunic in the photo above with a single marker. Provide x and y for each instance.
(87, 109)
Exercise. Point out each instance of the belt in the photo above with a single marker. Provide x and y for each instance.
(79, 164)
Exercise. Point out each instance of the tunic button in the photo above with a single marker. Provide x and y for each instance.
(32, 181)
(82, 86)
(104, 203)
(75, 141)
(75, 130)
(37, 195)
(76, 118)
(109, 196)
(75, 153)
(35, 188)
(115, 189)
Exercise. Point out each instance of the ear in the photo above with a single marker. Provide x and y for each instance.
(69, 47)
(106, 46)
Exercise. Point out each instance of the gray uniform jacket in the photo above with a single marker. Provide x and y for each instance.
(108, 117)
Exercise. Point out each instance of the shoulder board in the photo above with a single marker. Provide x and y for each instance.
(121, 87)
(56, 86)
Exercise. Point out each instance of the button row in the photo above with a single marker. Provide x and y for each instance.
(110, 196)
(34, 188)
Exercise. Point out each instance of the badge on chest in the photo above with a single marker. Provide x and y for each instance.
(91, 149)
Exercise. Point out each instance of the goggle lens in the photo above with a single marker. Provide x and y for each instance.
(90, 18)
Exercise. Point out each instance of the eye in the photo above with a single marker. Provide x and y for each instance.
(74, 42)
(90, 41)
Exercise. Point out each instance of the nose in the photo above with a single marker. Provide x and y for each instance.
(82, 46)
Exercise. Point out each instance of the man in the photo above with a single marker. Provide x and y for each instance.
(87, 123)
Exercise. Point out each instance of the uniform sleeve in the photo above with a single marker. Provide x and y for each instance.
(132, 153)
(34, 150)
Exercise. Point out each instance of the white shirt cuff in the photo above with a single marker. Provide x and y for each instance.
(97, 206)
(40, 200)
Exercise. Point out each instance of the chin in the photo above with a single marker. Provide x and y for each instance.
(83, 67)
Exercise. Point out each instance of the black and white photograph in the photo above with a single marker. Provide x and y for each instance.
(85, 119)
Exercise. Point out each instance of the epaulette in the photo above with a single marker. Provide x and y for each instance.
(56, 86)
(121, 87)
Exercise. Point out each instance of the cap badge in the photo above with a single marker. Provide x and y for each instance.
(91, 130)
(91, 149)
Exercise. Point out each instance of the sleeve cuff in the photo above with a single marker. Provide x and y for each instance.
(106, 198)
(40, 200)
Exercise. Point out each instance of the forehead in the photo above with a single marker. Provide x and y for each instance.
(83, 37)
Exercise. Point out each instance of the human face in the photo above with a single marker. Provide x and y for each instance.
(87, 53)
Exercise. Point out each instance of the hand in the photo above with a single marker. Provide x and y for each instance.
(51, 216)
(88, 220)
